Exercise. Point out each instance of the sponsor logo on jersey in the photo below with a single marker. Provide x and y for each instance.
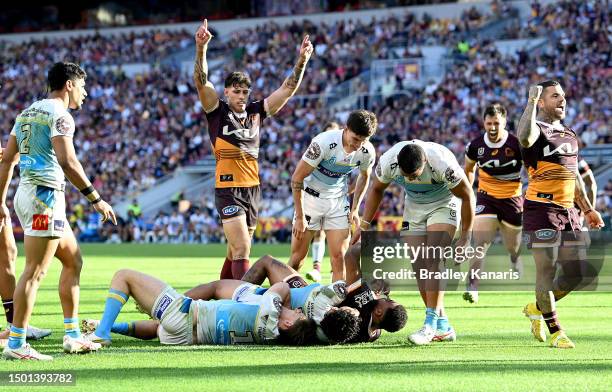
(58, 225)
(494, 163)
(164, 302)
(545, 234)
(479, 208)
(230, 210)
(333, 145)
(26, 161)
(450, 175)
(64, 126)
(40, 222)
(314, 151)
(563, 149)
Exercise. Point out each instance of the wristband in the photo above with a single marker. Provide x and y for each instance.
(87, 191)
(365, 225)
(92, 202)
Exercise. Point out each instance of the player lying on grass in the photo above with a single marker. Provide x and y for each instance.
(180, 320)
(375, 310)
(317, 302)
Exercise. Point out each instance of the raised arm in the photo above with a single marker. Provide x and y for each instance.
(279, 98)
(206, 90)
(66, 157)
(302, 171)
(528, 131)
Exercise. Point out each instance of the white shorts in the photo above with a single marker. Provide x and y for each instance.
(41, 210)
(326, 214)
(418, 216)
(247, 292)
(174, 312)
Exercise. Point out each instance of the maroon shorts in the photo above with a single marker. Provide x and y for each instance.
(549, 225)
(509, 210)
(234, 202)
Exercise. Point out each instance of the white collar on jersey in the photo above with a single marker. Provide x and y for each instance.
(556, 127)
(500, 143)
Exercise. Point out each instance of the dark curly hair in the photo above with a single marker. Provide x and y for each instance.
(301, 333)
(340, 326)
(395, 319)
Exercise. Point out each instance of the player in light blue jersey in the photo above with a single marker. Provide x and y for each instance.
(320, 188)
(181, 320)
(42, 142)
(434, 184)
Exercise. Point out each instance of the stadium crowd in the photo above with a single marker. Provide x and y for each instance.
(134, 131)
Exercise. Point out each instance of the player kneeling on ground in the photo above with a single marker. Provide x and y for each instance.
(180, 320)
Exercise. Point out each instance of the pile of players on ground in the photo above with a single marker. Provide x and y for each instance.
(289, 312)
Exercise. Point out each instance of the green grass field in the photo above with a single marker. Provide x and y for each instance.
(494, 350)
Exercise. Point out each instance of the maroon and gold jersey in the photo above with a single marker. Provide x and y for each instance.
(235, 141)
(499, 165)
(552, 164)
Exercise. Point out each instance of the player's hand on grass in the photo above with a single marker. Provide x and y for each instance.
(299, 227)
(106, 211)
(534, 93)
(306, 49)
(5, 215)
(203, 36)
(594, 220)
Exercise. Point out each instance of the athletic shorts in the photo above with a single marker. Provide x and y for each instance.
(325, 214)
(509, 210)
(549, 225)
(234, 202)
(418, 216)
(173, 311)
(41, 210)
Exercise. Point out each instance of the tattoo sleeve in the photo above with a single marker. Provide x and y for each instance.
(293, 81)
(580, 196)
(528, 131)
(200, 69)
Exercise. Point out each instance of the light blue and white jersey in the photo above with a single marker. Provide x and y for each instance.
(34, 128)
(315, 300)
(230, 322)
(333, 165)
(442, 173)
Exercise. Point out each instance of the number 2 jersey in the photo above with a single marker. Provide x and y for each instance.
(235, 142)
(499, 165)
(34, 128)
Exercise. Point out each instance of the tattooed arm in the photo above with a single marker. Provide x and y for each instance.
(528, 131)
(279, 98)
(206, 90)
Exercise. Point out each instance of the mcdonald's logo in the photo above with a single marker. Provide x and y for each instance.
(40, 222)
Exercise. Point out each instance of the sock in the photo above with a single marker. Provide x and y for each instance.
(8, 310)
(317, 266)
(443, 324)
(17, 337)
(126, 329)
(551, 322)
(226, 270)
(114, 302)
(239, 268)
(431, 317)
(320, 251)
(513, 259)
(71, 327)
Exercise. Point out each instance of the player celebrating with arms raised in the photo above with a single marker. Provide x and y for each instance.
(42, 141)
(234, 134)
(550, 152)
(499, 201)
(434, 184)
(320, 188)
